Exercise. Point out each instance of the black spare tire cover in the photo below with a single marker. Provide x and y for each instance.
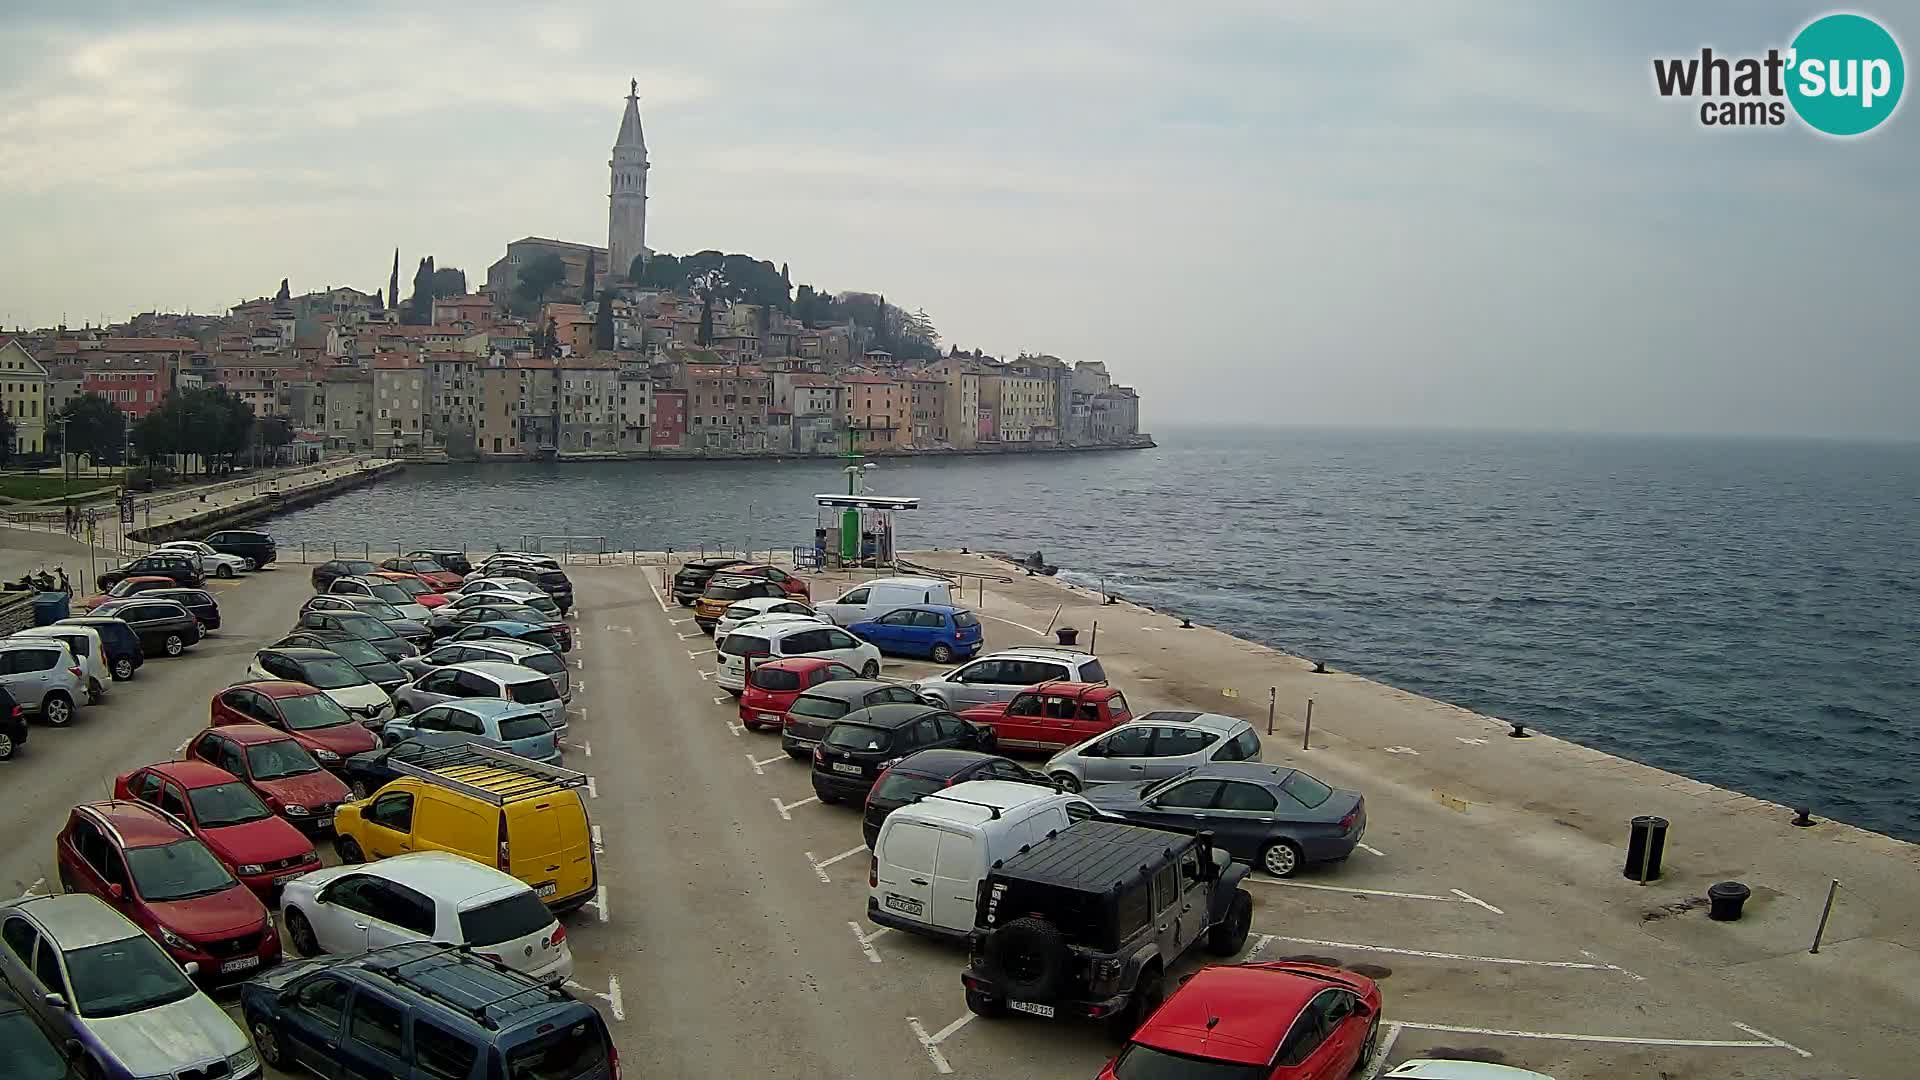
(1029, 958)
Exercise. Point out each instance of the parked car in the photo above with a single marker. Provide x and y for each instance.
(30, 1051)
(163, 626)
(327, 672)
(920, 774)
(1156, 746)
(519, 729)
(149, 866)
(525, 1030)
(277, 768)
(247, 543)
(538, 601)
(538, 633)
(88, 650)
(753, 645)
(198, 601)
(264, 851)
(772, 686)
(105, 989)
(725, 590)
(551, 579)
(488, 805)
(428, 570)
(936, 631)
(930, 858)
(416, 588)
(360, 625)
(118, 641)
(1052, 716)
(213, 562)
(1276, 818)
(125, 587)
(871, 599)
(1088, 923)
(815, 709)
(324, 574)
(445, 558)
(859, 746)
(432, 896)
(1000, 675)
(378, 588)
(13, 726)
(448, 623)
(43, 678)
(368, 660)
(485, 679)
(1288, 1021)
(502, 650)
(512, 586)
(791, 585)
(406, 629)
(369, 772)
(754, 607)
(533, 558)
(316, 721)
(167, 564)
(691, 579)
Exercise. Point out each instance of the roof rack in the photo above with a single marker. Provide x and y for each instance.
(395, 970)
(444, 767)
(943, 797)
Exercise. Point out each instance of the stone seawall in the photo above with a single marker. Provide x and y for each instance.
(191, 521)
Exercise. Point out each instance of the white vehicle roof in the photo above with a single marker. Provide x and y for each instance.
(904, 582)
(1206, 721)
(781, 627)
(501, 645)
(775, 618)
(1430, 1069)
(36, 642)
(187, 545)
(1040, 652)
(974, 801)
(762, 603)
(511, 674)
(54, 631)
(512, 584)
(445, 876)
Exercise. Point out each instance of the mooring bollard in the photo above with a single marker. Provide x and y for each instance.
(1803, 816)
(1833, 886)
(1725, 900)
(1646, 841)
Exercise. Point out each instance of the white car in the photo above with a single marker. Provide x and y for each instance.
(212, 563)
(383, 590)
(84, 642)
(425, 896)
(754, 607)
(517, 558)
(511, 585)
(779, 640)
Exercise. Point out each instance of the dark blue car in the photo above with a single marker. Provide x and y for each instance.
(938, 632)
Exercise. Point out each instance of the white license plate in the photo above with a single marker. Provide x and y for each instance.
(241, 964)
(284, 878)
(1031, 1008)
(904, 903)
(843, 767)
(770, 717)
(323, 822)
(546, 890)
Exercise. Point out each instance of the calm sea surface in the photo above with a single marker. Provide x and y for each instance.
(1742, 612)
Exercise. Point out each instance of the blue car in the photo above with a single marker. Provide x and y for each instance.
(519, 729)
(939, 632)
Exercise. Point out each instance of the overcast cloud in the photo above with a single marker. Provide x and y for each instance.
(1454, 214)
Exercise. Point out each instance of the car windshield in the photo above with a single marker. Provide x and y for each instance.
(769, 678)
(746, 645)
(392, 594)
(425, 566)
(355, 651)
(356, 568)
(30, 1056)
(331, 674)
(363, 626)
(732, 590)
(282, 757)
(544, 663)
(818, 708)
(1305, 789)
(859, 737)
(226, 804)
(904, 787)
(379, 609)
(178, 871)
(1139, 1062)
(525, 726)
(309, 711)
(516, 916)
(126, 976)
(533, 692)
(578, 1051)
(410, 587)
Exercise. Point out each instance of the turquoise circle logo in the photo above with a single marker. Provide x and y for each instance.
(1847, 74)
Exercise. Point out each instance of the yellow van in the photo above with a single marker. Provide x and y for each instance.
(519, 815)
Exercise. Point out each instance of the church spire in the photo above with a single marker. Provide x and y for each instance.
(627, 196)
(630, 134)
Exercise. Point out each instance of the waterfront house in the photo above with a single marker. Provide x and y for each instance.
(23, 395)
(589, 403)
(879, 413)
(399, 403)
(727, 405)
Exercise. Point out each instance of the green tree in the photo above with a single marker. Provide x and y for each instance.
(7, 435)
(275, 433)
(447, 281)
(95, 427)
(603, 323)
(586, 281)
(538, 278)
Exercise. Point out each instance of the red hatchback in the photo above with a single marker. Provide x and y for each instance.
(426, 570)
(415, 587)
(772, 686)
(277, 768)
(789, 584)
(329, 732)
(147, 866)
(1052, 716)
(1273, 1021)
(261, 849)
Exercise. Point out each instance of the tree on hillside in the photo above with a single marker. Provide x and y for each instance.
(538, 278)
(95, 427)
(284, 294)
(586, 282)
(447, 281)
(709, 287)
(603, 324)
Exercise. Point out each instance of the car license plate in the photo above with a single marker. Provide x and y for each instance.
(323, 822)
(546, 890)
(1031, 1008)
(843, 767)
(770, 717)
(241, 964)
(284, 878)
(904, 903)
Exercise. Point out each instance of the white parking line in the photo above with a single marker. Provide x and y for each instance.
(593, 791)
(579, 664)
(1010, 622)
(737, 729)
(931, 1043)
(1430, 955)
(679, 622)
(820, 867)
(579, 686)
(1764, 1042)
(695, 654)
(33, 889)
(1472, 899)
(599, 902)
(1382, 1055)
(598, 847)
(866, 941)
(760, 764)
(1370, 848)
(784, 807)
(621, 629)
(720, 701)
(690, 637)
(615, 1004)
(657, 598)
(705, 674)
(1251, 880)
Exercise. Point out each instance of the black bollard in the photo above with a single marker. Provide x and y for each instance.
(1646, 842)
(1803, 816)
(1725, 900)
(1067, 635)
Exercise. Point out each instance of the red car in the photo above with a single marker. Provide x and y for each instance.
(123, 588)
(426, 570)
(330, 733)
(789, 584)
(1273, 1021)
(277, 768)
(261, 849)
(415, 587)
(1052, 716)
(772, 686)
(147, 866)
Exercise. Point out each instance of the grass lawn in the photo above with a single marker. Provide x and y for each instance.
(28, 487)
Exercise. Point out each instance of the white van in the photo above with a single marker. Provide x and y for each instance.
(872, 599)
(931, 856)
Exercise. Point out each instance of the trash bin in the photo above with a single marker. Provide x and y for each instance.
(1067, 635)
(1646, 842)
(1725, 901)
(50, 607)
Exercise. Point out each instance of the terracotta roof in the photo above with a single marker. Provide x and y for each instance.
(146, 344)
(390, 362)
(825, 381)
(870, 380)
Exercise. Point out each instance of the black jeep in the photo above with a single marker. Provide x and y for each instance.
(1088, 923)
(694, 574)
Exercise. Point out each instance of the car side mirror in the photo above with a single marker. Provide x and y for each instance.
(55, 1001)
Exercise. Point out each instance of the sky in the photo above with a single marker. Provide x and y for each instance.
(1451, 213)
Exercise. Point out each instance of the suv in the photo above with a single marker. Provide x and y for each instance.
(13, 726)
(179, 566)
(1088, 923)
(485, 679)
(692, 579)
(43, 678)
(725, 590)
(860, 746)
(324, 574)
(1158, 746)
(246, 543)
(1053, 716)
(164, 626)
(422, 1009)
(999, 676)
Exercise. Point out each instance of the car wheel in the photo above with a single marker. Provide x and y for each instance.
(870, 669)
(1146, 997)
(1228, 937)
(57, 709)
(1281, 858)
(301, 931)
(349, 850)
(122, 669)
(6, 746)
(1068, 782)
(265, 1041)
(942, 653)
(223, 570)
(985, 1005)
(174, 645)
(1368, 1049)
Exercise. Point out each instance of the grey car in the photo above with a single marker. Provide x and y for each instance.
(95, 979)
(1000, 675)
(360, 625)
(485, 679)
(814, 711)
(1270, 816)
(43, 678)
(501, 650)
(403, 627)
(1157, 746)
